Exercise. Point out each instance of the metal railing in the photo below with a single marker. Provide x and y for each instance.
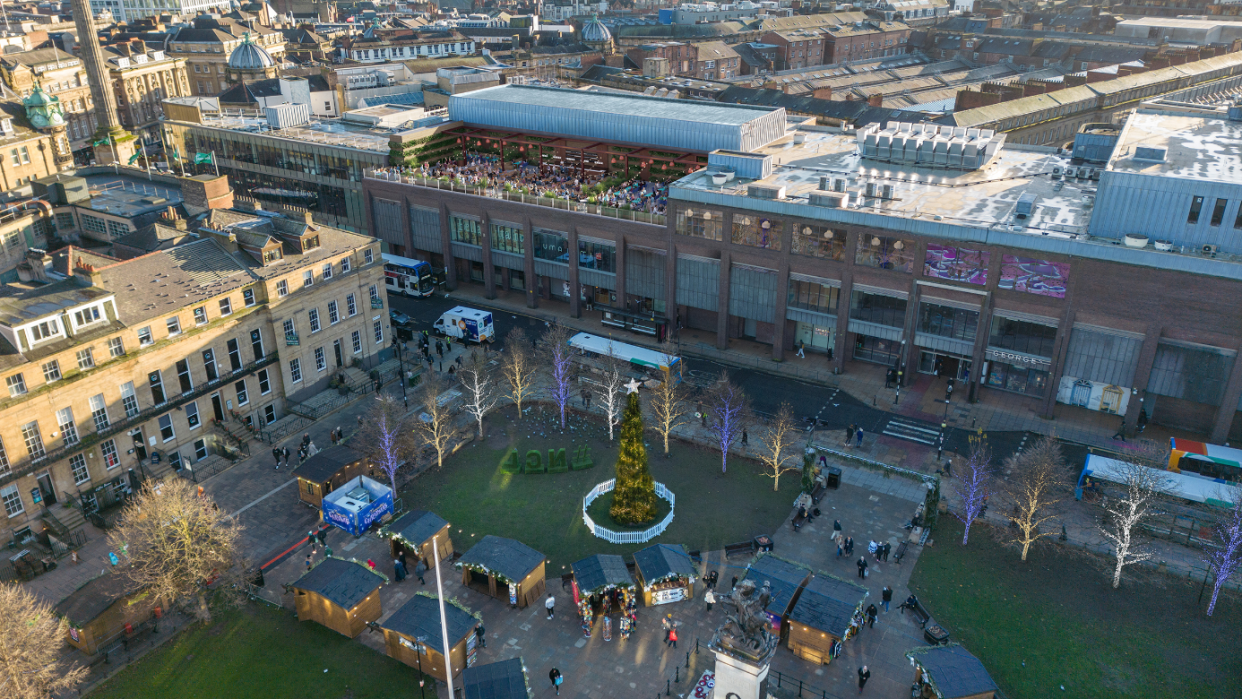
(793, 684)
(638, 537)
(93, 438)
(517, 196)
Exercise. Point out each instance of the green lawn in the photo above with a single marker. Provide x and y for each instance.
(544, 511)
(1058, 614)
(259, 652)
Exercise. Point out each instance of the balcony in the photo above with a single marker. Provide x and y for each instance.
(90, 440)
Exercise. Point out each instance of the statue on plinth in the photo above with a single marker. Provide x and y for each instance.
(746, 632)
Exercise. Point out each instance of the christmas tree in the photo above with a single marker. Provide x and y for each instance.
(633, 501)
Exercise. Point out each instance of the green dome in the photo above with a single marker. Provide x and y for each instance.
(43, 110)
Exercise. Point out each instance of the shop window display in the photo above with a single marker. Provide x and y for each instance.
(883, 252)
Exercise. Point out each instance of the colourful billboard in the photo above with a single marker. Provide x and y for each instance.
(1039, 277)
(956, 264)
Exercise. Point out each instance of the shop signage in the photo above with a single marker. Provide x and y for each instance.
(1018, 358)
(671, 594)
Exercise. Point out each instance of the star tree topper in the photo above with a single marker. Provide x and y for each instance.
(632, 386)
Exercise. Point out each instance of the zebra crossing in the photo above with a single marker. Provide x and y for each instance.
(912, 430)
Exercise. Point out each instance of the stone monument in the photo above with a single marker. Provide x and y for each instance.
(744, 644)
(112, 143)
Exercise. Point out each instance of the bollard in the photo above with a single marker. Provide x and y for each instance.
(677, 674)
(668, 687)
(688, 656)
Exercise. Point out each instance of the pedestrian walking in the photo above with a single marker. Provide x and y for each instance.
(584, 397)
(709, 598)
(884, 551)
(306, 439)
(401, 557)
(713, 578)
(276, 455)
(327, 551)
(550, 605)
(322, 537)
(458, 360)
(862, 567)
(398, 570)
(667, 625)
(849, 434)
(333, 435)
(311, 540)
(801, 349)
(672, 637)
(859, 435)
(849, 546)
(734, 586)
(886, 596)
(440, 349)
(840, 544)
(285, 452)
(863, 675)
(480, 634)
(872, 612)
(419, 569)
(448, 344)
(308, 561)
(311, 450)
(745, 437)
(555, 676)
(836, 526)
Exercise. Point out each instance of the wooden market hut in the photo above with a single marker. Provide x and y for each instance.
(786, 580)
(822, 616)
(665, 574)
(342, 595)
(415, 532)
(326, 471)
(420, 617)
(496, 562)
(105, 609)
(599, 574)
(502, 680)
(950, 672)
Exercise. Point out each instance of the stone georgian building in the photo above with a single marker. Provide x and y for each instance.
(116, 370)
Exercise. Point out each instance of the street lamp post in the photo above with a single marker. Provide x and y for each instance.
(421, 678)
(396, 342)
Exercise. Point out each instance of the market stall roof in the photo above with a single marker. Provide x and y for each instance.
(828, 604)
(323, 465)
(952, 671)
(601, 570)
(420, 617)
(92, 599)
(344, 583)
(416, 526)
(785, 578)
(663, 561)
(502, 680)
(511, 559)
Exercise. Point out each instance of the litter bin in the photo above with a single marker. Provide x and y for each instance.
(834, 477)
(936, 635)
(763, 543)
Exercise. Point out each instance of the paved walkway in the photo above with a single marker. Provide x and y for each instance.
(995, 410)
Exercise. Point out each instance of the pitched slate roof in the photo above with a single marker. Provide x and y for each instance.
(828, 603)
(416, 526)
(662, 561)
(420, 618)
(324, 464)
(601, 570)
(952, 671)
(344, 583)
(784, 577)
(502, 680)
(512, 559)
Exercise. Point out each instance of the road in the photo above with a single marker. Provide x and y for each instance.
(833, 409)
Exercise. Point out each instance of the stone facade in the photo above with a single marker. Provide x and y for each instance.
(128, 376)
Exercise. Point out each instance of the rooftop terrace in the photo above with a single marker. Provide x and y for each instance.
(337, 133)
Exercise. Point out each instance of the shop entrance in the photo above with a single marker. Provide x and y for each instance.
(950, 366)
(815, 338)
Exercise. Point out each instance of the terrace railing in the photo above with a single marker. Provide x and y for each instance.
(517, 196)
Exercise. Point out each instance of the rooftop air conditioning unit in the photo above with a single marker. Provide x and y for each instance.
(1209, 250)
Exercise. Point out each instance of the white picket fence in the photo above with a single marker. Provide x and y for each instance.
(614, 537)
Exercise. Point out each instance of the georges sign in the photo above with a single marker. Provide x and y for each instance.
(999, 355)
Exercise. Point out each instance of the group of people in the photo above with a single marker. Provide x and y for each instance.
(306, 449)
(565, 181)
(853, 432)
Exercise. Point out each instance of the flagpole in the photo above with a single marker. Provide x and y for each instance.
(143, 145)
(214, 163)
(116, 159)
(448, 663)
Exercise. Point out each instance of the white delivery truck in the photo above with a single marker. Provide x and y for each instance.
(466, 324)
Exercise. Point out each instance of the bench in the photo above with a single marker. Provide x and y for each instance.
(798, 520)
(920, 612)
(818, 493)
(901, 551)
(747, 548)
